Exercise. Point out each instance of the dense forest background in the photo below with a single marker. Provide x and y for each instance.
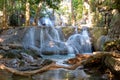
(35, 32)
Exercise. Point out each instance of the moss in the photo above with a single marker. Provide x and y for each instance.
(96, 33)
(67, 31)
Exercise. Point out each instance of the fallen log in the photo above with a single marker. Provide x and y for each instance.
(52, 66)
(25, 73)
(78, 58)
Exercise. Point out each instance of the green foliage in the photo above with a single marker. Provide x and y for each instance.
(14, 20)
(100, 21)
(1, 4)
(113, 45)
(109, 4)
(19, 6)
(93, 5)
(78, 8)
(104, 7)
(53, 3)
(116, 5)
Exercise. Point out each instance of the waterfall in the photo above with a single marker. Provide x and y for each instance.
(86, 41)
(76, 29)
(41, 38)
(32, 31)
(28, 39)
(46, 38)
(80, 43)
(57, 37)
(48, 34)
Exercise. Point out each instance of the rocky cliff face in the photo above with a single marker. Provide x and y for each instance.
(114, 34)
(12, 36)
(101, 39)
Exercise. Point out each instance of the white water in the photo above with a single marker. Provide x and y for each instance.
(50, 41)
(80, 42)
(41, 36)
(28, 40)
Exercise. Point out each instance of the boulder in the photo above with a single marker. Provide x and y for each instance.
(101, 41)
(54, 47)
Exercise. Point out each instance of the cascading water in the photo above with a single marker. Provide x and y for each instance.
(52, 32)
(50, 41)
(86, 41)
(80, 43)
(28, 40)
(46, 39)
(48, 32)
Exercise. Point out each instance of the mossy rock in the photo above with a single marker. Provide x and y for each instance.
(33, 53)
(12, 54)
(113, 45)
(95, 34)
(68, 31)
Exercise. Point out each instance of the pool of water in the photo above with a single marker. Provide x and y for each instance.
(58, 74)
(59, 59)
(61, 74)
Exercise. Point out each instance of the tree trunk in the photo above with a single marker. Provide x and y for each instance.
(72, 14)
(27, 14)
(4, 16)
(37, 14)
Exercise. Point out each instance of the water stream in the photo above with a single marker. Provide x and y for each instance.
(62, 74)
(47, 40)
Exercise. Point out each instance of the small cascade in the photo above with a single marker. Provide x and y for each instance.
(55, 34)
(80, 43)
(41, 38)
(86, 43)
(76, 29)
(32, 31)
(44, 36)
(48, 29)
(75, 42)
(28, 40)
